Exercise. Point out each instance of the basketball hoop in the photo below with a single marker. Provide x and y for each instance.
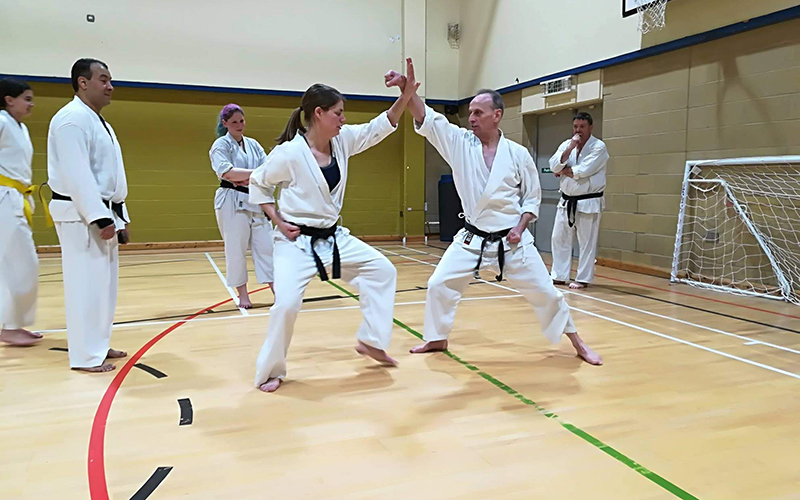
(652, 16)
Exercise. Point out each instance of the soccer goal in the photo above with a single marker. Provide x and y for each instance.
(739, 227)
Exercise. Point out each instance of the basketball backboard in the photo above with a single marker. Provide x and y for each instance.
(629, 6)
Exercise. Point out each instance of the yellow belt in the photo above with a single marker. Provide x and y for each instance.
(27, 192)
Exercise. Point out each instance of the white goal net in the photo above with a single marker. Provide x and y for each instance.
(739, 227)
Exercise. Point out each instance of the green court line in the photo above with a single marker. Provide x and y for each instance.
(608, 450)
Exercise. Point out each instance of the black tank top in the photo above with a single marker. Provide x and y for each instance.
(331, 172)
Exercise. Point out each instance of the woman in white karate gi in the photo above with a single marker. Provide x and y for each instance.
(241, 223)
(19, 266)
(310, 166)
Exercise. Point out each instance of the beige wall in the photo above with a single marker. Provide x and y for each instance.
(738, 96)
(505, 40)
(262, 44)
(690, 17)
(282, 45)
(441, 59)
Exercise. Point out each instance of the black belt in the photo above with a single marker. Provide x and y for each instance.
(572, 204)
(490, 237)
(113, 205)
(230, 185)
(242, 189)
(323, 233)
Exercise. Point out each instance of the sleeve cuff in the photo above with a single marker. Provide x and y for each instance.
(96, 214)
(103, 222)
(425, 127)
(386, 125)
(259, 195)
(532, 208)
(228, 169)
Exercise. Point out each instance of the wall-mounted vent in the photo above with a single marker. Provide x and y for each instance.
(558, 86)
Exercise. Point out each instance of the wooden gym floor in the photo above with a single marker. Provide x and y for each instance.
(699, 396)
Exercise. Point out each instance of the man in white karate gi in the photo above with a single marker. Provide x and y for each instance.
(499, 189)
(87, 177)
(580, 162)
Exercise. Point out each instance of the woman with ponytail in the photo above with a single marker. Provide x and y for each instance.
(19, 266)
(310, 166)
(241, 223)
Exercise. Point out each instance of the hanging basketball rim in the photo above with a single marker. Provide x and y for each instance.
(652, 15)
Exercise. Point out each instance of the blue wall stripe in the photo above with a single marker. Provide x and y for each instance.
(681, 43)
(708, 36)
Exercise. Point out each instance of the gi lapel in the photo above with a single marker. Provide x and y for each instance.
(313, 166)
(502, 161)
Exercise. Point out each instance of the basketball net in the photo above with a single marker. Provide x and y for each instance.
(652, 16)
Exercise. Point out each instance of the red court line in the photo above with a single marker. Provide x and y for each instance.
(98, 488)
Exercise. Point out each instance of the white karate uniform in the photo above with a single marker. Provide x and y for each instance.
(306, 199)
(589, 176)
(84, 162)
(19, 266)
(492, 201)
(242, 224)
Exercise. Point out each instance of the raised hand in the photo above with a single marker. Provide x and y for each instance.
(411, 81)
(395, 79)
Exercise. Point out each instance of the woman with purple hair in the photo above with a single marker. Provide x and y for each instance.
(241, 223)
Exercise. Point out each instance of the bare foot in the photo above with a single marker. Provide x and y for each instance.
(35, 335)
(105, 367)
(244, 302)
(432, 346)
(244, 297)
(584, 351)
(20, 337)
(577, 285)
(271, 385)
(378, 355)
(113, 353)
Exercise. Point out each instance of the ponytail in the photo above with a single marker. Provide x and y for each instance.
(295, 125)
(221, 129)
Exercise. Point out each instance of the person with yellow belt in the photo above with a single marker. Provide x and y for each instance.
(19, 266)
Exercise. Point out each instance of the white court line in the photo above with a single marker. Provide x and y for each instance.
(261, 315)
(689, 323)
(685, 342)
(186, 251)
(229, 289)
(731, 356)
(151, 262)
(749, 341)
(131, 255)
